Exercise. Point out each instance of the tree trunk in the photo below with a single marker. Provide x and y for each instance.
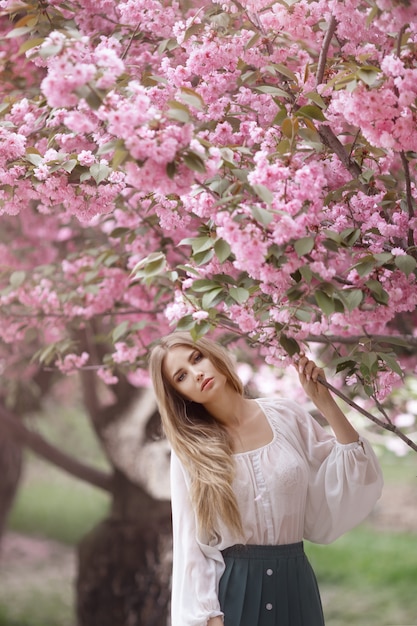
(124, 563)
(10, 472)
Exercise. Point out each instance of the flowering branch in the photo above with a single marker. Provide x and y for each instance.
(405, 340)
(387, 426)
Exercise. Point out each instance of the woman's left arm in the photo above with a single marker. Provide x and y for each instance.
(308, 373)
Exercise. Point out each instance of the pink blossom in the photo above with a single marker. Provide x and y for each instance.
(86, 158)
(200, 315)
(72, 362)
(107, 376)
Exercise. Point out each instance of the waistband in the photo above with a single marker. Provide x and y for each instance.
(250, 551)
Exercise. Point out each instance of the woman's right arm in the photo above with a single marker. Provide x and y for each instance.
(197, 567)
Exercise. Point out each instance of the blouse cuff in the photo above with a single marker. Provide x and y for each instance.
(215, 614)
(351, 445)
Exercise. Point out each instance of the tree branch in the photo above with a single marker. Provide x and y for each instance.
(324, 50)
(50, 453)
(408, 195)
(331, 141)
(387, 426)
(402, 341)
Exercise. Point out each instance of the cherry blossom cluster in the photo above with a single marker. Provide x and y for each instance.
(247, 166)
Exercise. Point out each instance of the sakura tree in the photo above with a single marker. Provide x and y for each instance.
(246, 168)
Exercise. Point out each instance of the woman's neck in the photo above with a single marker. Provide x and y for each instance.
(229, 408)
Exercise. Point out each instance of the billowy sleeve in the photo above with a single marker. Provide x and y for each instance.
(197, 567)
(345, 481)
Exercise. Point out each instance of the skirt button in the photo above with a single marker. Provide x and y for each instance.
(268, 606)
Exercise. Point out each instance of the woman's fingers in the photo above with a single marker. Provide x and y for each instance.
(308, 368)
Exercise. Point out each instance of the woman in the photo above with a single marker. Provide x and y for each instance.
(250, 479)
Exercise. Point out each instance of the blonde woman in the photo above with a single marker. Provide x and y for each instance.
(250, 479)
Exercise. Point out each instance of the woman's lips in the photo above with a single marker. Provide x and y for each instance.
(205, 383)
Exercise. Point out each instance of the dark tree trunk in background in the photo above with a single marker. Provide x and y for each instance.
(10, 472)
(124, 564)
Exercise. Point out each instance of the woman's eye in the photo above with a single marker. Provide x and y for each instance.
(181, 377)
(198, 357)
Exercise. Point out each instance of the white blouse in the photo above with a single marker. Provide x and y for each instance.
(303, 484)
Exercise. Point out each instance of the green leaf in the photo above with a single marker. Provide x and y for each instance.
(303, 315)
(203, 257)
(306, 273)
(370, 361)
(111, 259)
(199, 329)
(186, 323)
(406, 263)
(31, 43)
(365, 265)
(212, 297)
(198, 244)
(294, 293)
(119, 157)
(368, 75)
(316, 98)
(285, 71)
(275, 91)
(194, 162)
(203, 284)
(263, 193)
(192, 98)
(287, 127)
(188, 269)
(304, 245)
(252, 41)
(228, 156)
(392, 363)
(100, 171)
(280, 117)
(344, 363)
(351, 298)
(377, 292)
(120, 331)
(171, 169)
(179, 113)
(151, 265)
(325, 302)
(35, 159)
(18, 32)
(47, 355)
(289, 344)
(222, 250)
(17, 278)
(350, 235)
(311, 111)
(120, 231)
(50, 51)
(69, 165)
(261, 215)
(239, 294)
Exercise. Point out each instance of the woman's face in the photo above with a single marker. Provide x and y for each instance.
(192, 374)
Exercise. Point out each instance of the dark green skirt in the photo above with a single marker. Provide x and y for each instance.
(269, 586)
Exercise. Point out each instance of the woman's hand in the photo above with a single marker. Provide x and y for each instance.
(309, 374)
(215, 621)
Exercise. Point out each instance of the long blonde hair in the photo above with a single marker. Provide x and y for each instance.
(201, 443)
